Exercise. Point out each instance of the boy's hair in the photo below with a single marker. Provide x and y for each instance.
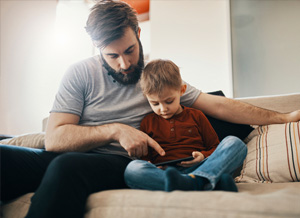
(108, 21)
(158, 75)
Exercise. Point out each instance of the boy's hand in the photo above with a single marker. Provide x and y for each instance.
(198, 157)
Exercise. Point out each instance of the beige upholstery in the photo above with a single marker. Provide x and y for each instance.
(252, 200)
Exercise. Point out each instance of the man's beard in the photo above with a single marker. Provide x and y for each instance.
(130, 78)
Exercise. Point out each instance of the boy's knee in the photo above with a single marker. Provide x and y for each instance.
(133, 168)
(235, 142)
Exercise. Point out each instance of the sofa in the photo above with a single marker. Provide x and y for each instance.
(268, 182)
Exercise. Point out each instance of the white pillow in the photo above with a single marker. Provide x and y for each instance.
(31, 140)
(273, 154)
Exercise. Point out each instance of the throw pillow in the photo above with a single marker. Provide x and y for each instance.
(31, 140)
(273, 154)
(224, 128)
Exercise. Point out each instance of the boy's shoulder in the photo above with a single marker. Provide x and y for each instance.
(193, 110)
(194, 113)
(150, 116)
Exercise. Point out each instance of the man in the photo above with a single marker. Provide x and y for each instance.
(92, 130)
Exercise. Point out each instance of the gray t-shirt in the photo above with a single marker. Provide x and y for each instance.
(89, 92)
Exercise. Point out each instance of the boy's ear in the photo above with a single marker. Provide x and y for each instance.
(183, 89)
(139, 32)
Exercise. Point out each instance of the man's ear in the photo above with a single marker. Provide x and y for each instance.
(183, 89)
(95, 43)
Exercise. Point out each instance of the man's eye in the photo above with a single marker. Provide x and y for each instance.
(129, 51)
(113, 56)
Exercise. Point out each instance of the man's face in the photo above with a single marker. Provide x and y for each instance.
(123, 58)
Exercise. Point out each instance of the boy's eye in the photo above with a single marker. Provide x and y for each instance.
(169, 102)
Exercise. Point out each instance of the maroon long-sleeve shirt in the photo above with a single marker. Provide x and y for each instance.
(180, 135)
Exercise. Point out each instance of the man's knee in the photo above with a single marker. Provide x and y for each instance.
(63, 166)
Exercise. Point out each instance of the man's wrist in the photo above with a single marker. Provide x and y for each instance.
(114, 130)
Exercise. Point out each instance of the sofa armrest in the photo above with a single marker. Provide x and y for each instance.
(4, 136)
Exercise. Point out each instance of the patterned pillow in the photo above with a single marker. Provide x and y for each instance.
(30, 140)
(273, 154)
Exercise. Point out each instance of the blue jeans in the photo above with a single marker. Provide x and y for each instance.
(228, 156)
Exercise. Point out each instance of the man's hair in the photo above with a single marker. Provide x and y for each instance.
(158, 75)
(108, 21)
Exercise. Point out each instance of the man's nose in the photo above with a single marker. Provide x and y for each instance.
(124, 63)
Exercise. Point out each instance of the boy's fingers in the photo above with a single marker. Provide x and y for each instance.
(152, 143)
(188, 162)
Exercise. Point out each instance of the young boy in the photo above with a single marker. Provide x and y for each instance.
(181, 132)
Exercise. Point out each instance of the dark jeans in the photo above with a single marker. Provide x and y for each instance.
(61, 182)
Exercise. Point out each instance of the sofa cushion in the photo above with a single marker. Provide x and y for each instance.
(224, 128)
(252, 200)
(273, 154)
(31, 140)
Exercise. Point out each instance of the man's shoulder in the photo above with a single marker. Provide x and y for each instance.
(88, 62)
(84, 69)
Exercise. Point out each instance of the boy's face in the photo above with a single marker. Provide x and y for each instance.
(167, 104)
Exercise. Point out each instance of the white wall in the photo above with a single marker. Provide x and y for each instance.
(34, 57)
(196, 36)
(25, 60)
(266, 47)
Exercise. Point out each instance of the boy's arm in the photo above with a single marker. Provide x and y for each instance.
(209, 137)
(198, 157)
(143, 128)
(239, 112)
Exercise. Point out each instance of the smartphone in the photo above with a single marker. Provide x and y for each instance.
(174, 162)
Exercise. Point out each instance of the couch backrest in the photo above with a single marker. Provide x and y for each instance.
(281, 103)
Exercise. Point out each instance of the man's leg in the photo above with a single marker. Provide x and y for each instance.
(228, 156)
(141, 174)
(22, 170)
(71, 178)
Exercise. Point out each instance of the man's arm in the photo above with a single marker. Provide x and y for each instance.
(239, 112)
(64, 134)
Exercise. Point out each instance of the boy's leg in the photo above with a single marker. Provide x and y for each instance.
(22, 170)
(228, 156)
(71, 178)
(141, 174)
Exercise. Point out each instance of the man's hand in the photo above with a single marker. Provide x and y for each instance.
(294, 116)
(135, 142)
(198, 157)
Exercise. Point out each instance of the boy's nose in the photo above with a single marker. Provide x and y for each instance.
(163, 108)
